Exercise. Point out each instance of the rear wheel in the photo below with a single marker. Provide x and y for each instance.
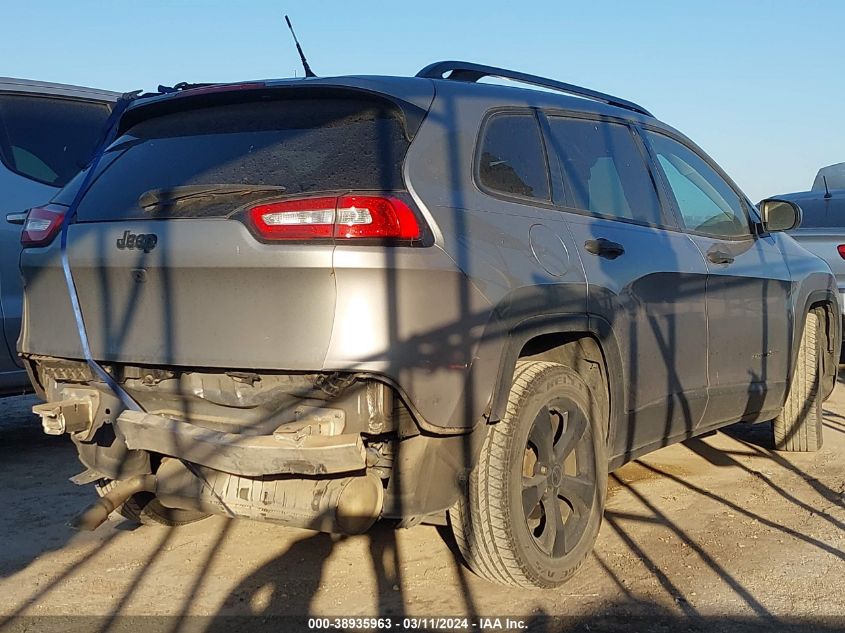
(144, 508)
(535, 498)
(799, 426)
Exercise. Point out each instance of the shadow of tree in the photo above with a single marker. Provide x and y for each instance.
(282, 592)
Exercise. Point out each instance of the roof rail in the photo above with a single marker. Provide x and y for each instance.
(467, 71)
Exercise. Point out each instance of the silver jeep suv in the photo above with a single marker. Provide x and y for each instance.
(321, 302)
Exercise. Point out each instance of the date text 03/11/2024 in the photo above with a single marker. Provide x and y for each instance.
(422, 623)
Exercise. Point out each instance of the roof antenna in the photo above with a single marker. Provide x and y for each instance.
(827, 195)
(308, 71)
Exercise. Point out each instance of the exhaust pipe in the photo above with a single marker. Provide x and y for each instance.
(96, 514)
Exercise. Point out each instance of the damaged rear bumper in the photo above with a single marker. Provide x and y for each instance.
(250, 456)
(290, 448)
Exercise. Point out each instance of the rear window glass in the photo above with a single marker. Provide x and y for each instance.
(300, 146)
(512, 159)
(49, 139)
(834, 175)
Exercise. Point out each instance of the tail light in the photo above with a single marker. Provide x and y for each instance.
(841, 249)
(342, 217)
(42, 225)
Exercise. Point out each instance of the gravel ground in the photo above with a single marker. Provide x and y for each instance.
(719, 533)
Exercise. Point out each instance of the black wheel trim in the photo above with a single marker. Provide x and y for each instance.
(548, 486)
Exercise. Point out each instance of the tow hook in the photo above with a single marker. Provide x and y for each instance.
(74, 414)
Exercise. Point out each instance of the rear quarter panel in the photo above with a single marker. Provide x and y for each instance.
(822, 243)
(812, 283)
(519, 257)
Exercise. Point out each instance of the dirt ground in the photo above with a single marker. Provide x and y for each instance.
(720, 533)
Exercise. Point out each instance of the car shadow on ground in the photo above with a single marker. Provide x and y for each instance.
(272, 590)
(279, 594)
(285, 586)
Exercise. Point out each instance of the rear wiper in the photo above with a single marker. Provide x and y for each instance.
(173, 195)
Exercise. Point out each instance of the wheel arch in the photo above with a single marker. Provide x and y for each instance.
(827, 302)
(582, 342)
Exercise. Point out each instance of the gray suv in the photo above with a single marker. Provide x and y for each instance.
(321, 302)
(48, 132)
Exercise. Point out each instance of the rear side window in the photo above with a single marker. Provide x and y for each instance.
(604, 171)
(49, 139)
(512, 160)
(198, 158)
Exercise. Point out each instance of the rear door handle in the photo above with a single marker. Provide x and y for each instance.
(720, 257)
(604, 248)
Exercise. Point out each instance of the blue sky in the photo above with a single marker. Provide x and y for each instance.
(756, 84)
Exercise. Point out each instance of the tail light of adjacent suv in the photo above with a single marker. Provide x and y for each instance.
(42, 225)
(841, 249)
(342, 217)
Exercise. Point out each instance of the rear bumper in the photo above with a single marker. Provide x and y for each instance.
(249, 456)
(352, 446)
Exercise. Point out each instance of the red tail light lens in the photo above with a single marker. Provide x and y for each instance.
(841, 249)
(343, 217)
(42, 225)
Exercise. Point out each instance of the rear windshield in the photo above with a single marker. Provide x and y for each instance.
(49, 139)
(291, 147)
(830, 177)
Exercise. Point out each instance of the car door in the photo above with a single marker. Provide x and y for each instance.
(748, 283)
(645, 278)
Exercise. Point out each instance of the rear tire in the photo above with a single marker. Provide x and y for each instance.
(799, 426)
(534, 501)
(145, 509)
